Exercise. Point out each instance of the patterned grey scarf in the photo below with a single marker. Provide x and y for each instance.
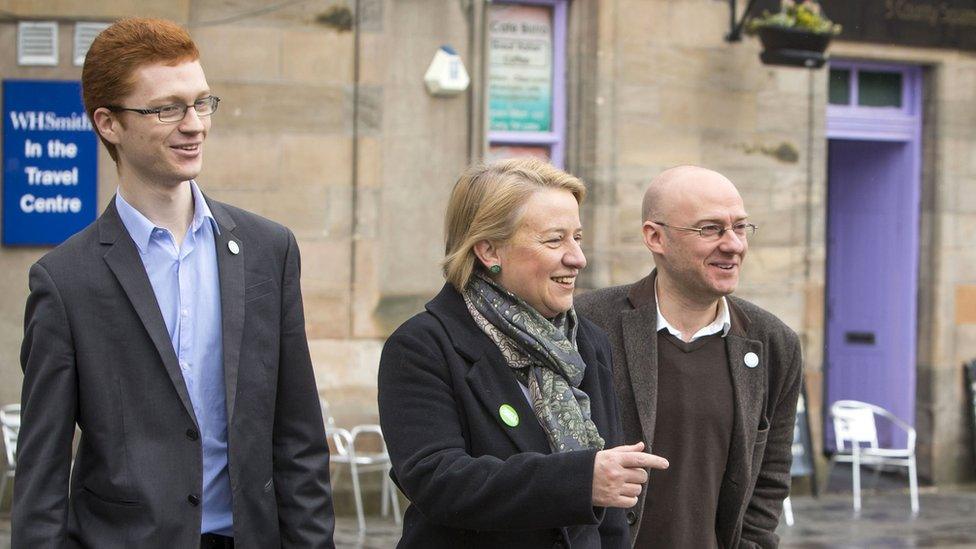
(544, 357)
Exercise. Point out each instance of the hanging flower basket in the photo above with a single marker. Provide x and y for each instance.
(796, 36)
(793, 47)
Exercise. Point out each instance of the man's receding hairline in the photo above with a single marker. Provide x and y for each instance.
(650, 206)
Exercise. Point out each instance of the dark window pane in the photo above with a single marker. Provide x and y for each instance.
(879, 89)
(840, 87)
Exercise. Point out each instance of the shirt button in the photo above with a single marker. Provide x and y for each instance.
(185, 365)
(184, 312)
(193, 499)
(192, 434)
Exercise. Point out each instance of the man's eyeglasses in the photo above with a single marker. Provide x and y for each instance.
(714, 232)
(168, 114)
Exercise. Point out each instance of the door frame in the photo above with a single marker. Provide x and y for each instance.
(902, 124)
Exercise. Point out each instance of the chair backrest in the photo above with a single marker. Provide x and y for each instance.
(327, 414)
(854, 421)
(10, 418)
(332, 430)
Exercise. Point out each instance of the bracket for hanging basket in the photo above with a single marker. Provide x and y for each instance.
(735, 26)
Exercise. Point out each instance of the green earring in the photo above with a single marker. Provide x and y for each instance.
(495, 269)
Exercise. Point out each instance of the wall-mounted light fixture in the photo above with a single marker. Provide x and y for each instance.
(446, 75)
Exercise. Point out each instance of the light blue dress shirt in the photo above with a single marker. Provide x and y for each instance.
(187, 287)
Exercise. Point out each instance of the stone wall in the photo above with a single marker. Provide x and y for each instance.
(329, 130)
(667, 89)
(320, 128)
(657, 86)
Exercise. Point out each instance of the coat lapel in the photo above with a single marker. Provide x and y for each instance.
(230, 266)
(749, 389)
(640, 345)
(495, 385)
(123, 260)
(591, 384)
(491, 380)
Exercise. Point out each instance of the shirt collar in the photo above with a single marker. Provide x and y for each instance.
(722, 322)
(201, 210)
(140, 228)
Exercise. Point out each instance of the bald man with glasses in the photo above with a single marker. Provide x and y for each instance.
(706, 380)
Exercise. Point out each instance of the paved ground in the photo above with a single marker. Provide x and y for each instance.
(947, 519)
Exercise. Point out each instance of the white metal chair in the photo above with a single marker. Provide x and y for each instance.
(359, 461)
(10, 419)
(854, 423)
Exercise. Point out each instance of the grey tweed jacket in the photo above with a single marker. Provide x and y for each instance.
(757, 476)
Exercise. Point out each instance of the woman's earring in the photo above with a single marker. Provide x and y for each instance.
(495, 269)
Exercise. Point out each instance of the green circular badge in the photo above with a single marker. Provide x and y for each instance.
(508, 415)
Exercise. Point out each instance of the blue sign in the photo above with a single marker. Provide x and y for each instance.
(50, 151)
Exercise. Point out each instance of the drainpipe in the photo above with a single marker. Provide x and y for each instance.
(354, 172)
(474, 17)
(807, 259)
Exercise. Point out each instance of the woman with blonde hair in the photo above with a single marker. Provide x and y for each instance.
(497, 401)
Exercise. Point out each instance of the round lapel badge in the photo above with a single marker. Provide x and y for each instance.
(233, 247)
(509, 415)
(751, 360)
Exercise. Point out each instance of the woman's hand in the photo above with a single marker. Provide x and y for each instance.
(618, 474)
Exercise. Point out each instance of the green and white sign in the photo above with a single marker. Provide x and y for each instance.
(520, 68)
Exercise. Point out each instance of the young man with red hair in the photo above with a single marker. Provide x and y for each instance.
(171, 331)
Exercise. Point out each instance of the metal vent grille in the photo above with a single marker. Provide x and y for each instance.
(85, 34)
(37, 43)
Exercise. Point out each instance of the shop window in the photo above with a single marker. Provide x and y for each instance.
(840, 87)
(879, 89)
(526, 95)
(867, 85)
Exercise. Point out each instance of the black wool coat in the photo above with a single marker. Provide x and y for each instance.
(472, 480)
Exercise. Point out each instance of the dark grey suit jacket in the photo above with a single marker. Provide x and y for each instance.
(757, 476)
(96, 352)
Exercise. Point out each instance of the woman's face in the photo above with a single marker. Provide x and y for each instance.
(541, 261)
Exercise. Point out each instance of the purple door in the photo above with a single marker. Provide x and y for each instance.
(871, 242)
(872, 254)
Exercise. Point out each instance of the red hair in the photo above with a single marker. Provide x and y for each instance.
(122, 48)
